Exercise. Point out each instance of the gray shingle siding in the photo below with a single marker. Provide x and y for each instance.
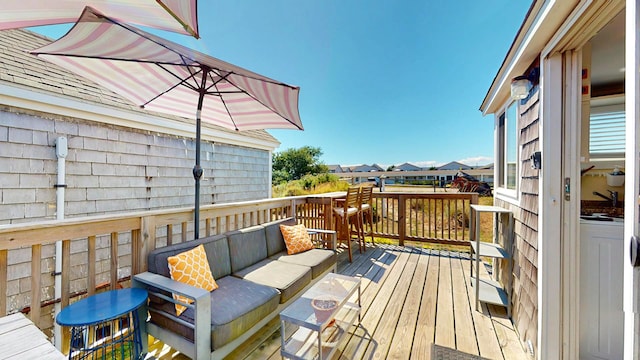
(126, 170)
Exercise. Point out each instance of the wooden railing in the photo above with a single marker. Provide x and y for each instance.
(104, 251)
(120, 243)
(443, 218)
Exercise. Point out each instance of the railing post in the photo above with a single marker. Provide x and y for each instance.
(292, 210)
(136, 251)
(402, 219)
(148, 241)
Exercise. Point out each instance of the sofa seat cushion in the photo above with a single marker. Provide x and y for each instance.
(236, 306)
(288, 278)
(318, 259)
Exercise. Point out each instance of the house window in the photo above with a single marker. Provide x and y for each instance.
(606, 132)
(507, 162)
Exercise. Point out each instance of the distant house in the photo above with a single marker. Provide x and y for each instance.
(485, 167)
(454, 165)
(335, 169)
(365, 168)
(407, 167)
(565, 99)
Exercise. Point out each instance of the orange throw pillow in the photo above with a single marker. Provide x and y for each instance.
(296, 238)
(191, 268)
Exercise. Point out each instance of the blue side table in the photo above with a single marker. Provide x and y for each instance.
(106, 324)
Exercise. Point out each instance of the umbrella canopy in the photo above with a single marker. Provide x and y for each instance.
(163, 76)
(172, 15)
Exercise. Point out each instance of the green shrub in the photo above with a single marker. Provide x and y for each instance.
(310, 184)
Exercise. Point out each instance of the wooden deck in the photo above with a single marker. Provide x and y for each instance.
(21, 339)
(411, 299)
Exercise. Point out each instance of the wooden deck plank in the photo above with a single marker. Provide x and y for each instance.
(484, 330)
(445, 326)
(21, 339)
(373, 270)
(406, 328)
(464, 327)
(363, 264)
(160, 351)
(426, 324)
(374, 304)
(507, 338)
(388, 323)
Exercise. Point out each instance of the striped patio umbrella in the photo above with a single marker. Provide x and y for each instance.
(172, 15)
(166, 77)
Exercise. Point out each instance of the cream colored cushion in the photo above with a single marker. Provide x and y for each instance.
(296, 238)
(192, 268)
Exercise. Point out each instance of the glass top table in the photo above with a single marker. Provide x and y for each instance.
(320, 317)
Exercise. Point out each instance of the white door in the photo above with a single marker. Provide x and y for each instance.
(601, 284)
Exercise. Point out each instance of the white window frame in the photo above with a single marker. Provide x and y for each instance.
(502, 142)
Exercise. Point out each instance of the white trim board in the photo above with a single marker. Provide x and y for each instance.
(631, 276)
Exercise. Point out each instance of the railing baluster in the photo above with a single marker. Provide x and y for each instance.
(185, 230)
(36, 271)
(402, 219)
(66, 273)
(169, 234)
(91, 266)
(3, 282)
(135, 256)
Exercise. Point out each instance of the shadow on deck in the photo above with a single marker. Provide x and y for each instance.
(411, 298)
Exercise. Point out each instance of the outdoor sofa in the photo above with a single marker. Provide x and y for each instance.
(256, 280)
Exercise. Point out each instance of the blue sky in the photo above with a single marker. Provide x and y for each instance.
(382, 82)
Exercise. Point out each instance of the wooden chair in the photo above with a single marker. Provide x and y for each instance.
(365, 212)
(345, 214)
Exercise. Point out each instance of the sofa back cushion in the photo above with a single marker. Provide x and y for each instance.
(216, 247)
(275, 241)
(247, 247)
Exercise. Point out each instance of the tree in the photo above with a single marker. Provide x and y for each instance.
(293, 164)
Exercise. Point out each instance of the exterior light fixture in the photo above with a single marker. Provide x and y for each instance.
(520, 87)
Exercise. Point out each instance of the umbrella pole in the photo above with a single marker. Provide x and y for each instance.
(197, 172)
(197, 175)
(197, 169)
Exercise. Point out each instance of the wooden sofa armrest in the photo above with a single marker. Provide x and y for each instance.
(332, 233)
(201, 305)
